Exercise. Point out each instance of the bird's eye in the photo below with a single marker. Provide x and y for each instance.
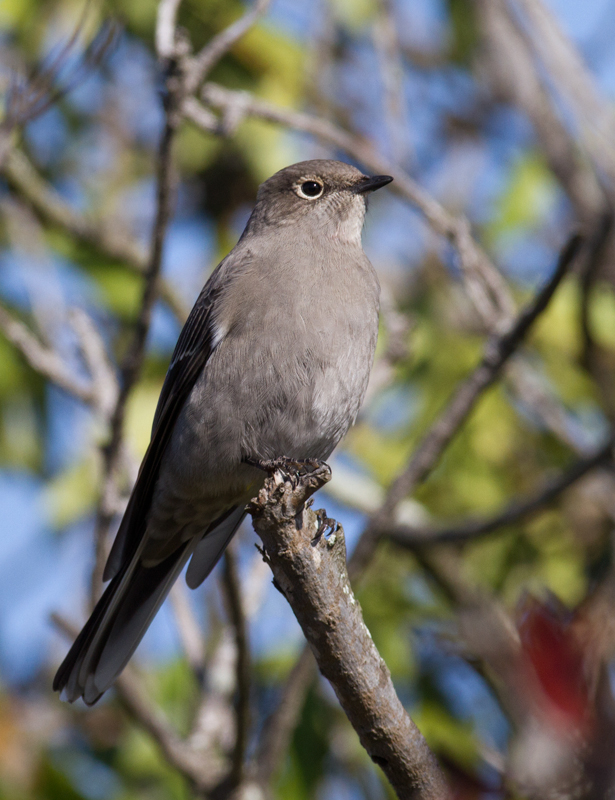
(310, 189)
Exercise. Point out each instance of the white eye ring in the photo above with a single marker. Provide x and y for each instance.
(310, 189)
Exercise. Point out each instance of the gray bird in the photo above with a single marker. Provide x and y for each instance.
(272, 363)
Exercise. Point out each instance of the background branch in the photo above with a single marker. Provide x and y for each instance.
(516, 511)
(232, 587)
(424, 458)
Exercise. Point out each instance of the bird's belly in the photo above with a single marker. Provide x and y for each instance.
(308, 422)
(255, 401)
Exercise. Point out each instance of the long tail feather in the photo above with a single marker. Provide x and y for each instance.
(116, 626)
(209, 550)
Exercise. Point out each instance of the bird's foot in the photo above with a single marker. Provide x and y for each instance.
(291, 469)
(327, 527)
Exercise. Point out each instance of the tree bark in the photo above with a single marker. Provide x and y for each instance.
(310, 570)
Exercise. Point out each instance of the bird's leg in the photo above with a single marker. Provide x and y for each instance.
(326, 526)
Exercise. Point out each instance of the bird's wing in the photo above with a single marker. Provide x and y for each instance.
(196, 343)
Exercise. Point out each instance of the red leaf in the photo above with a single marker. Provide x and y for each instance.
(553, 653)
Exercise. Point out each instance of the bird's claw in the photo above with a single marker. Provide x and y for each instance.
(327, 527)
(291, 469)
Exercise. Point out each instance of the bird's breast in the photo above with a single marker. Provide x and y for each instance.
(287, 377)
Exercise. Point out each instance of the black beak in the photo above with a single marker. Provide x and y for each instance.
(368, 184)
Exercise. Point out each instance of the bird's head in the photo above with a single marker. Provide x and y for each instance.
(325, 197)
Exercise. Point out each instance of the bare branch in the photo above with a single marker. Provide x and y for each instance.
(30, 97)
(43, 359)
(595, 120)
(516, 511)
(533, 392)
(392, 71)
(49, 205)
(511, 68)
(190, 634)
(135, 355)
(213, 727)
(197, 68)
(133, 359)
(44, 355)
(166, 24)
(54, 210)
(310, 570)
(397, 326)
(179, 754)
(104, 381)
(486, 629)
(279, 726)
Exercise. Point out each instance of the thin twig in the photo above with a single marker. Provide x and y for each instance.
(599, 248)
(518, 510)
(178, 753)
(108, 239)
(190, 634)
(43, 359)
(197, 68)
(280, 724)
(511, 69)
(565, 65)
(392, 71)
(31, 97)
(529, 385)
(135, 355)
(166, 26)
(232, 589)
(104, 380)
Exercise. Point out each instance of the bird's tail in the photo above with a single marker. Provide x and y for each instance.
(116, 626)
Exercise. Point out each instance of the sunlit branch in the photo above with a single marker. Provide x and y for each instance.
(43, 359)
(309, 568)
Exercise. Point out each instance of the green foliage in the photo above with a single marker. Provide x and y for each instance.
(529, 195)
(54, 785)
(464, 33)
(71, 494)
(308, 750)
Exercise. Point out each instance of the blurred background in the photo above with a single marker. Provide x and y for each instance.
(500, 644)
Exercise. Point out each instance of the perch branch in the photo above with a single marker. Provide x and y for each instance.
(310, 570)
